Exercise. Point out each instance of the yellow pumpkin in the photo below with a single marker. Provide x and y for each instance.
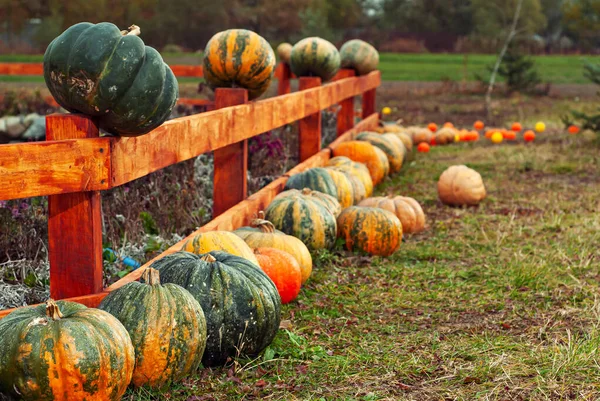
(219, 241)
(356, 169)
(406, 209)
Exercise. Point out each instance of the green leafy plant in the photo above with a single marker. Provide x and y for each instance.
(581, 119)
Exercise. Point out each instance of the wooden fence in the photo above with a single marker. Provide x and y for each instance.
(75, 163)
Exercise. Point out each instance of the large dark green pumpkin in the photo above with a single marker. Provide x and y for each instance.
(317, 179)
(240, 302)
(63, 351)
(166, 325)
(360, 56)
(315, 57)
(305, 217)
(96, 69)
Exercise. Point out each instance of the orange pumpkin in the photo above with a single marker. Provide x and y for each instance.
(432, 127)
(283, 269)
(478, 125)
(423, 147)
(461, 185)
(529, 136)
(367, 154)
(371, 230)
(573, 129)
(509, 135)
(516, 127)
(406, 209)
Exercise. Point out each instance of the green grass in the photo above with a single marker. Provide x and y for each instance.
(420, 67)
(489, 303)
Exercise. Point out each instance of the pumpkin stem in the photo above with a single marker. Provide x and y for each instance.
(151, 276)
(52, 310)
(208, 258)
(261, 214)
(132, 30)
(263, 225)
(306, 191)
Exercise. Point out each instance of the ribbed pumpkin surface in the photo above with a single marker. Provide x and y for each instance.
(371, 230)
(344, 186)
(241, 304)
(99, 71)
(358, 187)
(305, 218)
(393, 152)
(262, 234)
(383, 159)
(406, 209)
(64, 351)
(239, 58)
(316, 179)
(365, 153)
(395, 140)
(360, 56)
(315, 57)
(356, 169)
(166, 325)
(283, 269)
(219, 241)
(331, 203)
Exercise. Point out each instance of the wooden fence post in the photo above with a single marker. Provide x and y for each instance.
(368, 103)
(309, 141)
(74, 223)
(345, 118)
(284, 85)
(230, 184)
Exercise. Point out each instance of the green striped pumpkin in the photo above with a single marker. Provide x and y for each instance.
(330, 202)
(315, 57)
(317, 179)
(345, 187)
(304, 217)
(359, 191)
(392, 151)
(360, 56)
(395, 139)
(166, 325)
(371, 230)
(240, 302)
(63, 351)
(239, 58)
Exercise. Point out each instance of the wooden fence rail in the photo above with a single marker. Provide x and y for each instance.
(74, 164)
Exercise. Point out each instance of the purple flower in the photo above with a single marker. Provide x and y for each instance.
(126, 189)
(2, 204)
(15, 212)
(24, 205)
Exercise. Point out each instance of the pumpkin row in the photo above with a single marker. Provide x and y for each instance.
(110, 75)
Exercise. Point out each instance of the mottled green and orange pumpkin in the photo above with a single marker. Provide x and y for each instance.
(330, 202)
(345, 187)
(166, 325)
(316, 178)
(262, 234)
(359, 191)
(315, 57)
(406, 209)
(360, 56)
(109, 74)
(240, 302)
(395, 139)
(239, 58)
(304, 217)
(364, 152)
(371, 230)
(383, 159)
(393, 152)
(283, 269)
(219, 241)
(356, 169)
(64, 351)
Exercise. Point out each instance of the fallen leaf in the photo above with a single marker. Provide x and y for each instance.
(285, 324)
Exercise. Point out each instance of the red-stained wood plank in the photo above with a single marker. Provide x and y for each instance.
(91, 301)
(284, 85)
(309, 140)
(345, 117)
(368, 100)
(48, 168)
(183, 138)
(230, 184)
(74, 224)
(187, 70)
(21, 69)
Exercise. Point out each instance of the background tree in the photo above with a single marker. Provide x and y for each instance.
(582, 21)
